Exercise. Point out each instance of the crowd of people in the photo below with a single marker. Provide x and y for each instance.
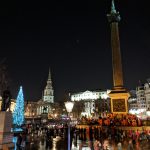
(104, 138)
(94, 137)
(100, 134)
(44, 135)
(113, 120)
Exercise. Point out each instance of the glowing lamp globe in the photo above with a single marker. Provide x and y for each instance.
(148, 113)
(69, 106)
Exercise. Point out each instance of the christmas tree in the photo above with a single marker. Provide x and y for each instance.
(18, 114)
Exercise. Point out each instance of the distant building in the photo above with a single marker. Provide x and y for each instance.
(132, 101)
(89, 98)
(147, 94)
(30, 109)
(137, 101)
(141, 100)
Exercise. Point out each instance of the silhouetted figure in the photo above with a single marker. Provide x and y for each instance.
(6, 100)
(91, 134)
(19, 140)
(84, 134)
(49, 142)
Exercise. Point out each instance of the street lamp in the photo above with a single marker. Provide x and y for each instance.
(69, 106)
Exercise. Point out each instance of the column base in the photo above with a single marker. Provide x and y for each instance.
(119, 101)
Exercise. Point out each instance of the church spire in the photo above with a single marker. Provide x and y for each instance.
(49, 75)
(49, 80)
(48, 91)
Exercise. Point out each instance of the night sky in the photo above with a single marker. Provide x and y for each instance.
(73, 39)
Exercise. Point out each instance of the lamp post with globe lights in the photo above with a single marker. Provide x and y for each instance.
(69, 106)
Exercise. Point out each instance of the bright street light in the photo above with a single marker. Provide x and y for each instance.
(69, 106)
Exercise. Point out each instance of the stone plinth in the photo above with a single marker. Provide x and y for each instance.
(119, 101)
(5, 130)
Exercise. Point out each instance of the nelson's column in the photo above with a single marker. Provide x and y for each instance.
(118, 95)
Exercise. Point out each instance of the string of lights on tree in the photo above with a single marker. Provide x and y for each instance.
(18, 114)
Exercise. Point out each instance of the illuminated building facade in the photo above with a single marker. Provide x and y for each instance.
(30, 109)
(147, 95)
(141, 100)
(89, 98)
(132, 101)
(137, 103)
(140, 103)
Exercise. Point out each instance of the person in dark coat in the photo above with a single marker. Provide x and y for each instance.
(19, 140)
